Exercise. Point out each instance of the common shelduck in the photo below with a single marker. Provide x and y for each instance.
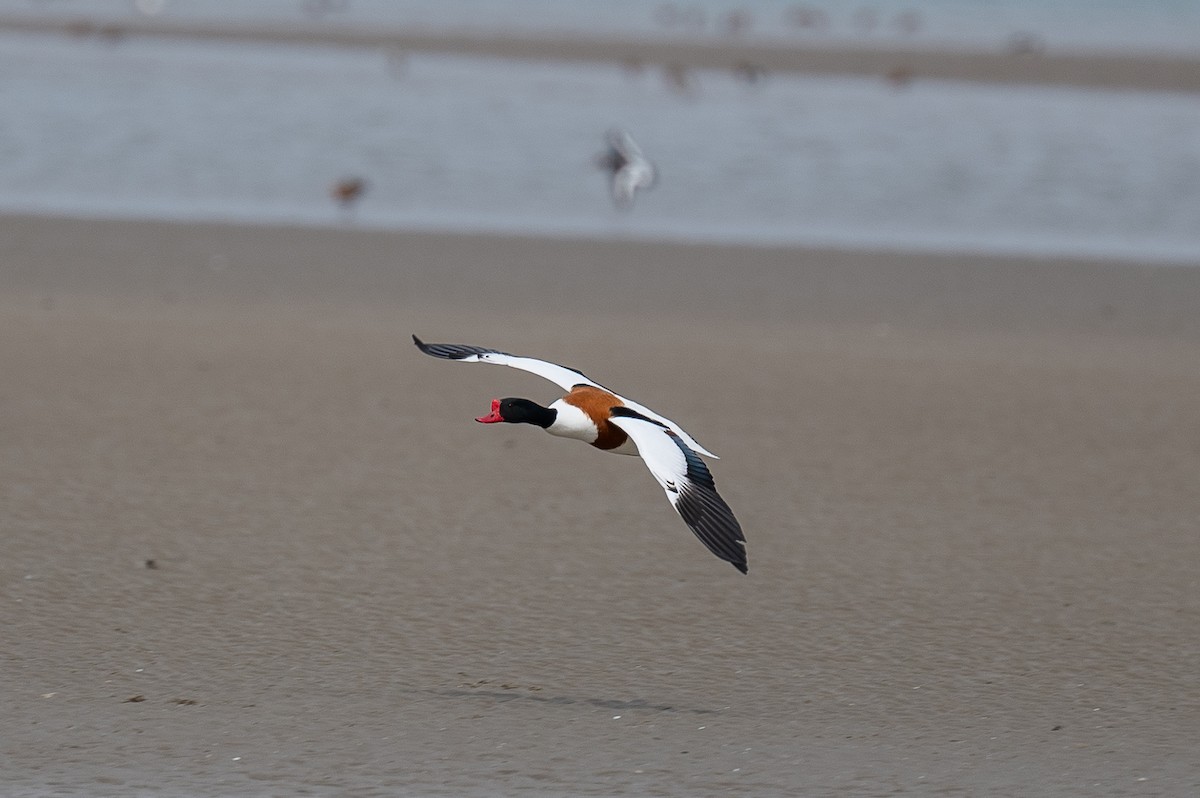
(592, 413)
(629, 169)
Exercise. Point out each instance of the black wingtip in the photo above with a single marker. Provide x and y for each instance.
(425, 348)
(741, 566)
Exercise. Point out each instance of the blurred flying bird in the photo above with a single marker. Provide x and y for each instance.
(629, 169)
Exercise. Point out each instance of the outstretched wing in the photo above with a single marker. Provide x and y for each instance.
(688, 484)
(562, 376)
(624, 144)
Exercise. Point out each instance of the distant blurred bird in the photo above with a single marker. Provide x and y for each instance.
(866, 19)
(678, 79)
(737, 22)
(908, 22)
(629, 168)
(806, 17)
(899, 77)
(1023, 42)
(748, 72)
(319, 8)
(347, 191)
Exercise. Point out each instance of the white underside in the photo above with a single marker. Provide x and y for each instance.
(567, 379)
(660, 453)
(574, 423)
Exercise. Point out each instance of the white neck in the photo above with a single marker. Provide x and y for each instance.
(571, 422)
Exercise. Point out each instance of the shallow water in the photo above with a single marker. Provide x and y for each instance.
(1148, 25)
(211, 130)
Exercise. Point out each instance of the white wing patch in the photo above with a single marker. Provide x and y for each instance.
(561, 376)
(688, 484)
(565, 378)
(666, 461)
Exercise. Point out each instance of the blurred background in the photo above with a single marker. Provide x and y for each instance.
(996, 126)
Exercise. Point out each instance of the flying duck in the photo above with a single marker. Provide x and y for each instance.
(629, 168)
(592, 413)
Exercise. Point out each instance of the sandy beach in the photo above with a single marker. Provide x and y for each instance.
(255, 544)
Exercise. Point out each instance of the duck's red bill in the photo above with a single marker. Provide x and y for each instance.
(492, 417)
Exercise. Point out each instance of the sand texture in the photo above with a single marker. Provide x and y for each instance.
(254, 544)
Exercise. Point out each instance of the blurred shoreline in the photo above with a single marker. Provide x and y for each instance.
(479, 273)
(1021, 61)
(257, 132)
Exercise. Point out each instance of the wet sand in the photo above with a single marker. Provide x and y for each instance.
(255, 545)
